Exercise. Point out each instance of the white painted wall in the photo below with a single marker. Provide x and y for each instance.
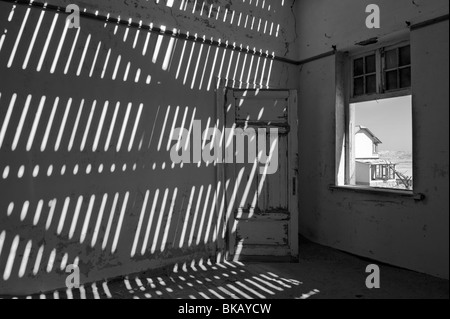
(363, 174)
(364, 146)
(398, 231)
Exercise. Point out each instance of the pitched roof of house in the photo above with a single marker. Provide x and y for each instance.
(375, 139)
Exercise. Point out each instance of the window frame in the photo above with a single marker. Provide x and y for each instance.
(382, 92)
(364, 75)
(398, 68)
(346, 114)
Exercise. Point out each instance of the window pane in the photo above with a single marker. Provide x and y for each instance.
(371, 66)
(391, 59)
(405, 77)
(371, 84)
(358, 67)
(359, 86)
(391, 80)
(405, 56)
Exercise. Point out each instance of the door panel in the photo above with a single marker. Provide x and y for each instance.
(273, 195)
(253, 232)
(274, 110)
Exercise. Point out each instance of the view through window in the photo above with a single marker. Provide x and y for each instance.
(383, 143)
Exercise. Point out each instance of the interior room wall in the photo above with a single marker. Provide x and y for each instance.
(386, 228)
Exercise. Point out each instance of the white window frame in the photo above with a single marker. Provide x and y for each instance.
(345, 112)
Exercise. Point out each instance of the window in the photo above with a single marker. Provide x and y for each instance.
(397, 68)
(375, 148)
(379, 127)
(365, 75)
(384, 70)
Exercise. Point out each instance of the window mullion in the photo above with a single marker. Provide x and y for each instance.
(380, 75)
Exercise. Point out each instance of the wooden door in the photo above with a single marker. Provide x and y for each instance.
(262, 194)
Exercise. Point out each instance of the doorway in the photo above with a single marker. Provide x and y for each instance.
(262, 194)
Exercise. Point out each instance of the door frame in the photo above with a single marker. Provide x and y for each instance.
(226, 246)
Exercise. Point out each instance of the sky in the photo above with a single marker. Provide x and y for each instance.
(390, 120)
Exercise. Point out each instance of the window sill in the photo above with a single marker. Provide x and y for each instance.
(380, 191)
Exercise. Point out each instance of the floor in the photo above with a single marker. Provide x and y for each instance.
(323, 273)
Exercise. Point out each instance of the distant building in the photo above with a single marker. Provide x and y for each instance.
(370, 170)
